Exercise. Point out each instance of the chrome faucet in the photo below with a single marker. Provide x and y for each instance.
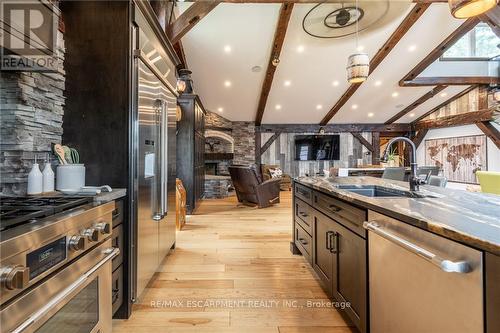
(413, 180)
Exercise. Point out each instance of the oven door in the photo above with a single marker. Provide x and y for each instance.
(76, 299)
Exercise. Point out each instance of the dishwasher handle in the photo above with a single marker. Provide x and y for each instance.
(444, 264)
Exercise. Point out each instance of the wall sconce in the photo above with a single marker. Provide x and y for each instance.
(184, 82)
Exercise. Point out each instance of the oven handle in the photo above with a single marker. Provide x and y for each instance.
(110, 254)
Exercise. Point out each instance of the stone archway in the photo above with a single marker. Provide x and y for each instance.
(220, 135)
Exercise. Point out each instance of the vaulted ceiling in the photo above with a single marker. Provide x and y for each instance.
(228, 52)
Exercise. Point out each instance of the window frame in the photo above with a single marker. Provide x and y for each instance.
(471, 34)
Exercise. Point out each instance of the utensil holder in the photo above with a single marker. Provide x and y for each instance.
(70, 177)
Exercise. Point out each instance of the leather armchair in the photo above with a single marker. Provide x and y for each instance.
(250, 189)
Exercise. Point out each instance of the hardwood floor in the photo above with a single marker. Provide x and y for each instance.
(232, 272)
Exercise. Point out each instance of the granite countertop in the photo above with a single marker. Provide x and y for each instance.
(469, 218)
(104, 197)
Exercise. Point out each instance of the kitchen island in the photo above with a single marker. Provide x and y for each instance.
(369, 239)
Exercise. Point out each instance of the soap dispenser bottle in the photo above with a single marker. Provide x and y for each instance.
(35, 179)
(48, 176)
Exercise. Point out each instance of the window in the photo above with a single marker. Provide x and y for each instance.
(479, 43)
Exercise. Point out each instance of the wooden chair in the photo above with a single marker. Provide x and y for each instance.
(180, 204)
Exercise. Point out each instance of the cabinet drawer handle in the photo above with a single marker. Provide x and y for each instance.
(329, 240)
(303, 241)
(303, 214)
(334, 241)
(334, 208)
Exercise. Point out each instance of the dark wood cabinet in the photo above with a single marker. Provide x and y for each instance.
(191, 149)
(350, 274)
(323, 237)
(339, 248)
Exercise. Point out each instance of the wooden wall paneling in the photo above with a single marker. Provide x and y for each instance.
(279, 39)
(490, 131)
(269, 142)
(395, 37)
(444, 104)
(376, 148)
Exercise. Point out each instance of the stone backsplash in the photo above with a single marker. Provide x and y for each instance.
(32, 108)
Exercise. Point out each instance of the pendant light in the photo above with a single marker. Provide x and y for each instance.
(358, 64)
(470, 8)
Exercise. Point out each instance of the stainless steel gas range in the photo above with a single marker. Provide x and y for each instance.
(55, 264)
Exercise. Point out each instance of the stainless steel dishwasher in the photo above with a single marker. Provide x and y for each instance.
(420, 282)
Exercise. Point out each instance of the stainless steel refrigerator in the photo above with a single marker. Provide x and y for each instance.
(156, 125)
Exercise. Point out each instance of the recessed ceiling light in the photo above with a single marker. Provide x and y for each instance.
(227, 83)
(300, 48)
(319, 107)
(412, 114)
(335, 83)
(395, 94)
(227, 48)
(371, 114)
(354, 106)
(278, 107)
(220, 109)
(412, 48)
(256, 69)
(287, 83)
(443, 94)
(360, 48)
(377, 83)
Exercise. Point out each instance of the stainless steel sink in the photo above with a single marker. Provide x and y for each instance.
(376, 191)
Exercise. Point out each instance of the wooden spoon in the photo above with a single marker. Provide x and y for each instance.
(58, 149)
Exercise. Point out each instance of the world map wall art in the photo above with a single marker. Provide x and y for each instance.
(458, 157)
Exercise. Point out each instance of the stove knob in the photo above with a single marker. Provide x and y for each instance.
(14, 277)
(103, 227)
(91, 234)
(77, 243)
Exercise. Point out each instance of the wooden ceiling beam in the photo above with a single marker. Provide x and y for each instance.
(438, 51)
(382, 53)
(448, 101)
(452, 81)
(490, 131)
(417, 139)
(188, 19)
(412, 106)
(279, 39)
(332, 128)
(456, 120)
(363, 141)
(269, 142)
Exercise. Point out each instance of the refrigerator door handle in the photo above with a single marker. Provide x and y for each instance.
(163, 156)
(157, 210)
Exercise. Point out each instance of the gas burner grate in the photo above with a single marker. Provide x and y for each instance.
(15, 211)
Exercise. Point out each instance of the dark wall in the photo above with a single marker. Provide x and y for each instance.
(97, 83)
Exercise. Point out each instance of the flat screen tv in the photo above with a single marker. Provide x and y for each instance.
(317, 147)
